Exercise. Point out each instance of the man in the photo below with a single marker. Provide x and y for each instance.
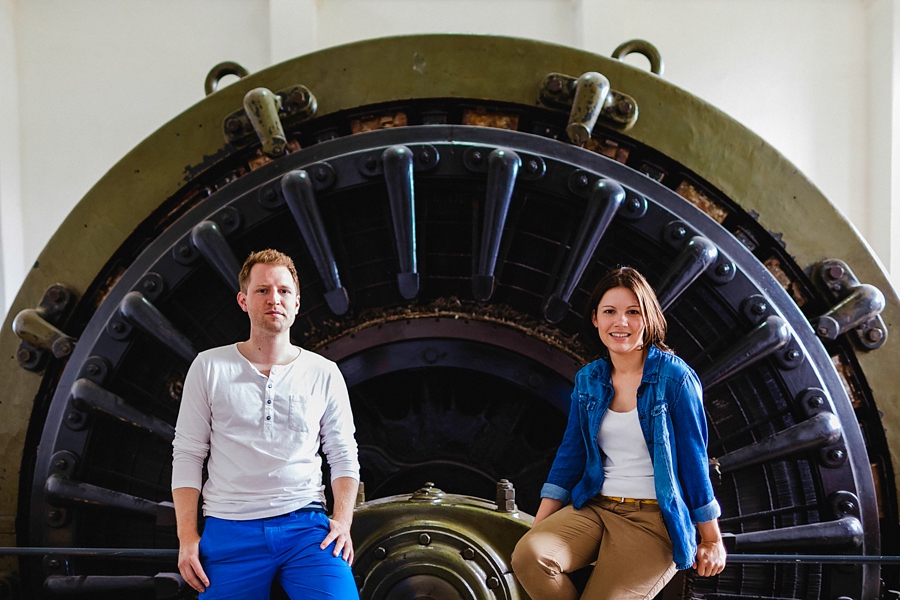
(259, 409)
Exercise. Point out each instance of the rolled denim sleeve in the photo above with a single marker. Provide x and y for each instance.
(568, 466)
(689, 423)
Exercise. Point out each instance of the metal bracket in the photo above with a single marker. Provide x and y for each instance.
(558, 92)
(295, 105)
(36, 327)
(857, 305)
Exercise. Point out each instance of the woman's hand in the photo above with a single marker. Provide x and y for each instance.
(710, 558)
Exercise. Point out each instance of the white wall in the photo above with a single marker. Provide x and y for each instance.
(95, 77)
(12, 265)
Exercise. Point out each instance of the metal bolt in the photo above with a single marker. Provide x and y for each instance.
(92, 369)
(233, 125)
(835, 272)
(380, 553)
(75, 417)
(24, 355)
(228, 218)
(53, 295)
(679, 233)
(468, 554)
(53, 563)
(118, 326)
(477, 157)
(723, 269)
(184, 251)
(425, 157)
(874, 335)
(759, 308)
(424, 539)
(149, 285)
(493, 583)
(371, 163)
(624, 107)
(634, 204)
(321, 174)
(554, 85)
(298, 97)
(532, 166)
(847, 506)
(61, 464)
(836, 454)
(792, 355)
(815, 402)
(823, 331)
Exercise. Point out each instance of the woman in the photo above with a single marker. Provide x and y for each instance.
(629, 487)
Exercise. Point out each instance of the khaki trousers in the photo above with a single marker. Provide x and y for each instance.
(628, 541)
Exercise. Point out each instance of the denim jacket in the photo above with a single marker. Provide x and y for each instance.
(673, 421)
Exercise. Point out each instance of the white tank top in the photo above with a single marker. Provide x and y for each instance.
(627, 469)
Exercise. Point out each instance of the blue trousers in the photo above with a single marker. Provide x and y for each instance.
(242, 558)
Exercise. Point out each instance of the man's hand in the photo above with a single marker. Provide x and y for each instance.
(189, 564)
(186, 500)
(340, 535)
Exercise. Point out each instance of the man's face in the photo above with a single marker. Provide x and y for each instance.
(271, 299)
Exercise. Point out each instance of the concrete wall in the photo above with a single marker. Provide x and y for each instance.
(84, 82)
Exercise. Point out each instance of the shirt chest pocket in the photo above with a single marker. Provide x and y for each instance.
(305, 412)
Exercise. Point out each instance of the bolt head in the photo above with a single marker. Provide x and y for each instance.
(583, 180)
(468, 554)
(425, 157)
(874, 335)
(380, 553)
(554, 85)
(836, 454)
(723, 269)
(759, 308)
(815, 402)
(847, 506)
(424, 539)
(477, 157)
(792, 354)
(835, 272)
(493, 583)
(233, 125)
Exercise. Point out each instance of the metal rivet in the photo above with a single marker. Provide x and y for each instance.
(792, 355)
(184, 251)
(23, 355)
(53, 563)
(75, 418)
(321, 174)
(92, 369)
(723, 269)
(532, 166)
(815, 401)
(836, 454)
(582, 181)
(847, 506)
(759, 308)
(835, 272)
(424, 539)
(61, 464)
(425, 157)
(477, 157)
(233, 125)
(554, 85)
(380, 553)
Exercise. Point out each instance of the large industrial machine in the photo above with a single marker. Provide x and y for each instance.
(450, 202)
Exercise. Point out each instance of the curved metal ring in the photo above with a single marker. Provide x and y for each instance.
(221, 70)
(644, 48)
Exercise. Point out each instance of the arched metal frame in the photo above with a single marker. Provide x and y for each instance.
(780, 417)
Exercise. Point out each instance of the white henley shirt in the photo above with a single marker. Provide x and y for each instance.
(262, 434)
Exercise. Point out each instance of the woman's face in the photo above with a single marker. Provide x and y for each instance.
(619, 321)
